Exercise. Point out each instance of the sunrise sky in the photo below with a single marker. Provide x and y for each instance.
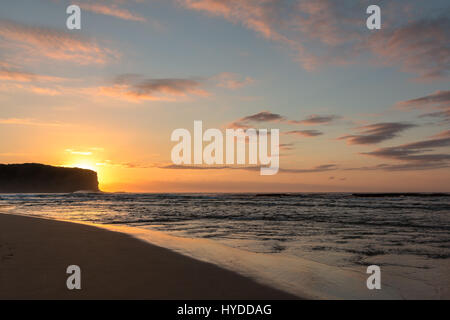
(358, 109)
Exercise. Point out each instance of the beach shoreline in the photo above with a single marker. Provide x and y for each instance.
(35, 253)
(291, 275)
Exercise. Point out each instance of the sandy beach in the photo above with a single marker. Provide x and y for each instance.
(34, 255)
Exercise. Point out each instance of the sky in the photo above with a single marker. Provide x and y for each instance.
(358, 110)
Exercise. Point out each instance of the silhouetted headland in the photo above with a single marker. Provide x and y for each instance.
(39, 178)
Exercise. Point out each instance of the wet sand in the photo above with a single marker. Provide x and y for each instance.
(35, 253)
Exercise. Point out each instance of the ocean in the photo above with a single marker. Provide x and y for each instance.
(314, 245)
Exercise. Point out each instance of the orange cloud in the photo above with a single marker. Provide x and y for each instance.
(16, 76)
(232, 80)
(29, 122)
(82, 153)
(45, 91)
(39, 42)
(113, 11)
(21, 76)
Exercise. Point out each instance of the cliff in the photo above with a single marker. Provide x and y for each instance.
(39, 178)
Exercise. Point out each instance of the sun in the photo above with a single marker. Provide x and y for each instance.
(89, 164)
(83, 165)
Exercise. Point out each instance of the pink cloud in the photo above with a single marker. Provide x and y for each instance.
(9, 75)
(31, 42)
(232, 80)
(21, 76)
(113, 11)
(419, 47)
(289, 23)
(258, 16)
(325, 32)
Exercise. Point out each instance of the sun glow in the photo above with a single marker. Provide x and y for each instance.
(104, 173)
(85, 166)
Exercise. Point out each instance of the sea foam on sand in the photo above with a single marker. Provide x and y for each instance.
(293, 274)
(302, 277)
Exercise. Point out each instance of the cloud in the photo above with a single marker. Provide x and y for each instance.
(10, 75)
(289, 23)
(257, 16)
(129, 87)
(286, 146)
(439, 99)
(48, 89)
(263, 116)
(320, 168)
(13, 79)
(304, 133)
(126, 165)
(137, 88)
(83, 153)
(201, 167)
(416, 155)
(411, 151)
(27, 42)
(87, 152)
(29, 122)
(112, 10)
(402, 167)
(45, 91)
(13, 154)
(443, 134)
(267, 116)
(7, 74)
(443, 115)
(324, 32)
(232, 80)
(377, 132)
(419, 46)
(316, 119)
